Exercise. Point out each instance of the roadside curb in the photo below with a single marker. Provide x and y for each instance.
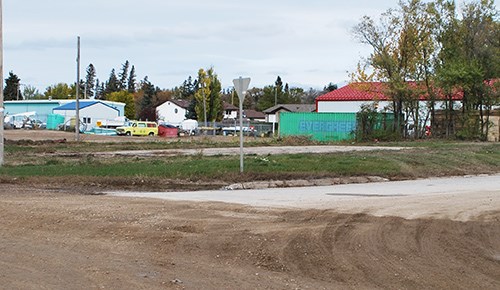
(304, 182)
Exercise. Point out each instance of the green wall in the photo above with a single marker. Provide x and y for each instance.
(319, 126)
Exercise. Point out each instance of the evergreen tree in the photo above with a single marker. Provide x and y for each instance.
(191, 110)
(123, 75)
(147, 111)
(112, 85)
(330, 88)
(90, 82)
(131, 81)
(98, 90)
(12, 90)
(188, 88)
(278, 85)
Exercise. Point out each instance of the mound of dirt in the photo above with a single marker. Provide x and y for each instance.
(56, 238)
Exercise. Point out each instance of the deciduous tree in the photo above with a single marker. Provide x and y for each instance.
(128, 99)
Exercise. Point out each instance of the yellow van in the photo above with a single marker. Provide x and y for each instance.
(138, 128)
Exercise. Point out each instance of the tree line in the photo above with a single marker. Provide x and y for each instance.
(204, 93)
(436, 50)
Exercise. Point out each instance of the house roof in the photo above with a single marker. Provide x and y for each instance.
(252, 114)
(181, 103)
(230, 107)
(295, 108)
(369, 91)
(81, 105)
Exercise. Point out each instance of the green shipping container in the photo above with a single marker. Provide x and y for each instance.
(54, 120)
(318, 126)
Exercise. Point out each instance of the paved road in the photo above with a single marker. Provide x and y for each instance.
(458, 198)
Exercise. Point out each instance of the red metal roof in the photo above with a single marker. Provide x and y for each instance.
(369, 91)
(356, 92)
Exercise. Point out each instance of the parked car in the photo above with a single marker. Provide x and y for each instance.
(138, 128)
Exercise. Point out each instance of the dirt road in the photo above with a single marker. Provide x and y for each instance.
(70, 239)
(78, 238)
(457, 198)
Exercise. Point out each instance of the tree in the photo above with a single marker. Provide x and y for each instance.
(60, 91)
(188, 89)
(402, 44)
(12, 90)
(468, 60)
(147, 111)
(267, 100)
(131, 81)
(310, 96)
(90, 81)
(251, 100)
(128, 99)
(295, 95)
(123, 76)
(112, 85)
(191, 110)
(330, 87)
(99, 90)
(31, 93)
(208, 98)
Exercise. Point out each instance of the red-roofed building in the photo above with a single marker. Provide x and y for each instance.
(349, 99)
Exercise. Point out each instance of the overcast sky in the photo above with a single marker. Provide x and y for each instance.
(307, 43)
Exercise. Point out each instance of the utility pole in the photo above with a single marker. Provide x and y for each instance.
(1, 86)
(77, 105)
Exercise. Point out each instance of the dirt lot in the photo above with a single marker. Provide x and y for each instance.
(55, 239)
(75, 238)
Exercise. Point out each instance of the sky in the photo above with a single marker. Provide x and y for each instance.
(306, 43)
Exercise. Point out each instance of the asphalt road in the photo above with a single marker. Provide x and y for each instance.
(457, 198)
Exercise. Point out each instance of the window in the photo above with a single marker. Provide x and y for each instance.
(176, 111)
(87, 120)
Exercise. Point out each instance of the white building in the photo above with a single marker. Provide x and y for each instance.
(90, 112)
(350, 98)
(230, 111)
(173, 112)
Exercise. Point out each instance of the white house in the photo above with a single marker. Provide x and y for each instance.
(89, 112)
(173, 112)
(230, 111)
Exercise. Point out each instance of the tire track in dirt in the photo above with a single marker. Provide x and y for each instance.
(91, 242)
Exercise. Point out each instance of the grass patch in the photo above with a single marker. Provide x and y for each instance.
(424, 160)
